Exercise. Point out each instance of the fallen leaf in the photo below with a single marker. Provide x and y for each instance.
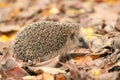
(2, 4)
(47, 76)
(6, 55)
(72, 12)
(83, 61)
(111, 2)
(108, 76)
(9, 28)
(4, 38)
(38, 77)
(96, 72)
(47, 70)
(49, 63)
(28, 78)
(4, 13)
(15, 73)
(60, 77)
(74, 71)
(88, 33)
(6, 44)
(54, 10)
(30, 12)
(13, 13)
(117, 25)
(21, 4)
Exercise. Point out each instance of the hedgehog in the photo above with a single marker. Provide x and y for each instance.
(46, 40)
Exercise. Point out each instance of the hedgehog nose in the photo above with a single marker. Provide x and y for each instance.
(84, 44)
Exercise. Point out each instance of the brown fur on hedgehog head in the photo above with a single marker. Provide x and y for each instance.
(46, 40)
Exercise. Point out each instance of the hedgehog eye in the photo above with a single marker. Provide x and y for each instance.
(72, 36)
(81, 39)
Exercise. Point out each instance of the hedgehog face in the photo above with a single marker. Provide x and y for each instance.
(78, 41)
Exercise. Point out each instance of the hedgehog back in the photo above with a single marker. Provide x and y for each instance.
(41, 39)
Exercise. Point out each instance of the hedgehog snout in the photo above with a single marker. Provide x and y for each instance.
(82, 42)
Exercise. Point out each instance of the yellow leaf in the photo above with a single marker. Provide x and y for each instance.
(46, 12)
(72, 11)
(2, 5)
(96, 72)
(4, 38)
(54, 10)
(88, 33)
(111, 2)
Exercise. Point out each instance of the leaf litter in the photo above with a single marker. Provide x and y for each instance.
(100, 27)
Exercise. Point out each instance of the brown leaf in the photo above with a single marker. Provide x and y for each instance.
(83, 61)
(117, 26)
(38, 77)
(4, 13)
(2, 45)
(21, 4)
(28, 78)
(49, 63)
(47, 69)
(60, 77)
(8, 28)
(7, 55)
(7, 61)
(15, 73)
(30, 12)
(74, 71)
(81, 50)
(47, 76)
(108, 76)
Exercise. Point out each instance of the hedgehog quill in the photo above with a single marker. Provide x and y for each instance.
(46, 39)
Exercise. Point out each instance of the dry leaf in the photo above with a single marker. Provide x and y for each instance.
(111, 2)
(117, 25)
(3, 45)
(38, 77)
(49, 63)
(94, 73)
(7, 61)
(28, 78)
(15, 73)
(74, 71)
(13, 13)
(30, 12)
(47, 69)
(22, 4)
(9, 28)
(108, 76)
(6, 55)
(72, 12)
(47, 76)
(4, 13)
(83, 61)
(60, 77)
(88, 33)
(54, 10)
(2, 4)
(4, 38)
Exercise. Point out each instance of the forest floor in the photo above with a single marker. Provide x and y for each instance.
(99, 22)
